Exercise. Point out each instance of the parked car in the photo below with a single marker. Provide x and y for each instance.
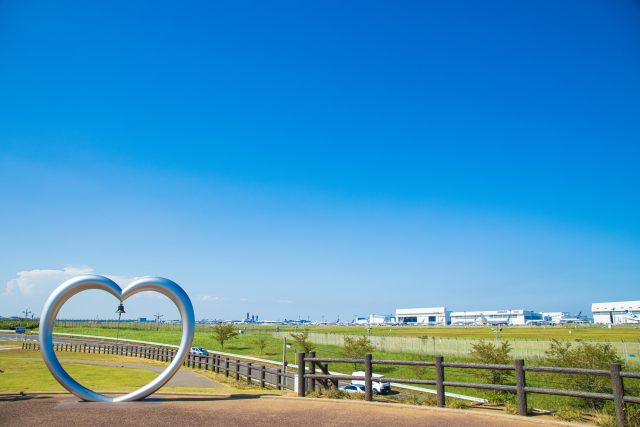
(199, 351)
(378, 387)
(352, 388)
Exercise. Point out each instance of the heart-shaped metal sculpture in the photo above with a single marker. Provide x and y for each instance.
(82, 283)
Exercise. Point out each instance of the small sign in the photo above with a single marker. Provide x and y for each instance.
(21, 330)
(632, 355)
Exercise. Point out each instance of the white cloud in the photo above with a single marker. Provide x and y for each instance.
(211, 298)
(30, 282)
(27, 282)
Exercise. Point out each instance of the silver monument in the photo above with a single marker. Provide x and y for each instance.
(82, 283)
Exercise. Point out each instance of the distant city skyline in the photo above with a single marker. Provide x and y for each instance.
(334, 158)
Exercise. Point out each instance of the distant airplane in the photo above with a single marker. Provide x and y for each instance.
(484, 321)
(537, 322)
(631, 316)
(577, 319)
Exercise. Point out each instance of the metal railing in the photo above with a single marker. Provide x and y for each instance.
(310, 378)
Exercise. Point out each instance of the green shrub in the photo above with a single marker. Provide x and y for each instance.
(510, 408)
(330, 393)
(633, 415)
(603, 419)
(356, 348)
(224, 332)
(302, 341)
(490, 353)
(583, 355)
(456, 404)
(414, 399)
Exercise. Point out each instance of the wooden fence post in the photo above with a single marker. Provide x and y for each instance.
(279, 379)
(368, 383)
(237, 369)
(440, 381)
(263, 375)
(226, 367)
(249, 372)
(312, 369)
(521, 383)
(618, 394)
(301, 379)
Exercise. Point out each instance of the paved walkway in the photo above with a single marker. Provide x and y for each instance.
(183, 378)
(238, 410)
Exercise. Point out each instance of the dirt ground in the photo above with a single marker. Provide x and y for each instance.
(237, 410)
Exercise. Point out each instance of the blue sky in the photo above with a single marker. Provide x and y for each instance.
(321, 159)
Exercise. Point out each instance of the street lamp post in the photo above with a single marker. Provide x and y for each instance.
(120, 311)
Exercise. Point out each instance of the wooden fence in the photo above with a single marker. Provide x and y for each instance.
(327, 380)
(252, 373)
(316, 374)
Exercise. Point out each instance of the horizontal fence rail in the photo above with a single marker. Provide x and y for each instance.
(252, 373)
(308, 365)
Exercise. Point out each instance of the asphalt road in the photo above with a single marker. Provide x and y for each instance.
(237, 410)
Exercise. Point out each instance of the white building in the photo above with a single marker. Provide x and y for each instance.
(616, 312)
(495, 317)
(423, 316)
(380, 319)
(555, 317)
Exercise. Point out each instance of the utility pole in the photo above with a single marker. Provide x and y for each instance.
(158, 316)
(26, 312)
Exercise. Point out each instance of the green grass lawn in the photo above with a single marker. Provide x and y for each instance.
(24, 371)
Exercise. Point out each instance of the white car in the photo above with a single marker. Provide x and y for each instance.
(199, 351)
(352, 388)
(378, 387)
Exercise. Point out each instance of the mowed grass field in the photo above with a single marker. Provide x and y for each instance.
(594, 333)
(630, 333)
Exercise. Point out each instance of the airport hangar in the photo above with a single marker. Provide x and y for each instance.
(442, 316)
(613, 313)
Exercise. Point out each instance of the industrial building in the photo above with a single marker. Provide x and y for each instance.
(423, 316)
(496, 317)
(616, 312)
(380, 319)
